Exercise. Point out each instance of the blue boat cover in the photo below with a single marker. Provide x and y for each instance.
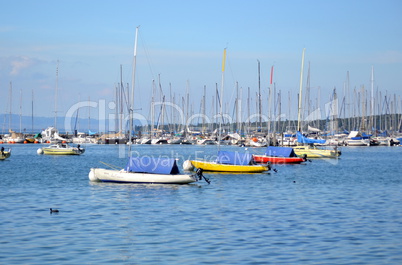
(305, 140)
(233, 158)
(152, 165)
(280, 151)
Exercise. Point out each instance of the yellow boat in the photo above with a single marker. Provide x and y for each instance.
(213, 166)
(61, 149)
(5, 154)
(226, 161)
(315, 152)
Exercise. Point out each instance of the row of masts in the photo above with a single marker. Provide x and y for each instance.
(379, 112)
(357, 109)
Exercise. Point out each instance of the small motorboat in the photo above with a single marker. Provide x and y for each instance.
(315, 152)
(5, 154)
(61, 149)
(279, 155)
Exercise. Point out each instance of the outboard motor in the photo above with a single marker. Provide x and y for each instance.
(200, 176)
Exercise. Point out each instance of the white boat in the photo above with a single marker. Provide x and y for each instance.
(14, 138)
(355, 138)
(145, 141)
(159, 141)
(206, 141)
(387, 141)
(175, 141)
(144, 169)
(287, 140)
(51, 135)
(82, 138)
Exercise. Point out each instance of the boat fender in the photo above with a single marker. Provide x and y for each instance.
(188, 166)
(92, 176)
(39, 151)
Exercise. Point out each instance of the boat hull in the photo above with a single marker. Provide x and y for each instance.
(5, 155)
(215, 167)
(362, 142)
(62, 151)
(278, 160)
(120, 176)
(312, 152)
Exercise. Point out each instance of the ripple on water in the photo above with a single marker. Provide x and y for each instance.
(346, 212)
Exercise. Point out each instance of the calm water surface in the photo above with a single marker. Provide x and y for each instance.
(345, 211)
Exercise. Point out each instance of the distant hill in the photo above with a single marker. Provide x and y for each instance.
(27, 124)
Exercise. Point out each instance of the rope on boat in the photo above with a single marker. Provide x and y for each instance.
(111, 166)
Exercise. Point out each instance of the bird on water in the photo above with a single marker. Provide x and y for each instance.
(53, 210)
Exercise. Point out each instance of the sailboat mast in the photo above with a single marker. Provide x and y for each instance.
(270, 103)
(300, 93)
(10, 93)
(259, 96)
(221, 98)
(32, 111)
(55, 95)
(248, 111)
(132, 88)
(20, 110)
(372, 125)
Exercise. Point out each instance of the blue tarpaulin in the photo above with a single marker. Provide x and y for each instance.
(152, 165)
(233, 158)
(305, 140)
(280, 151)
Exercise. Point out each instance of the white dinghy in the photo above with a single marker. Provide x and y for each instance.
(146, 170)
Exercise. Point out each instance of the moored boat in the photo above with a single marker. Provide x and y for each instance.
(230, 162)
(61, 149)
(145, 170)
(311, 151)
(5, 154)
(279, 155)
(316, 152)
(355, 138)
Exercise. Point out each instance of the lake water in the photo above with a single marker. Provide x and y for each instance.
(345, 211)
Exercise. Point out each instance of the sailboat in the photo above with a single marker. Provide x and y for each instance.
(311, 151)
(143, 169)
(227, 161)
(279, 155)
(307, 148)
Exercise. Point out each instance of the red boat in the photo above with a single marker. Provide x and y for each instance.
(279, 155)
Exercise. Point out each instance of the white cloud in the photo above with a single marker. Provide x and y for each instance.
(20, 63)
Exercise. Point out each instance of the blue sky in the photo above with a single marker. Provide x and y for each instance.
(183, 41)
